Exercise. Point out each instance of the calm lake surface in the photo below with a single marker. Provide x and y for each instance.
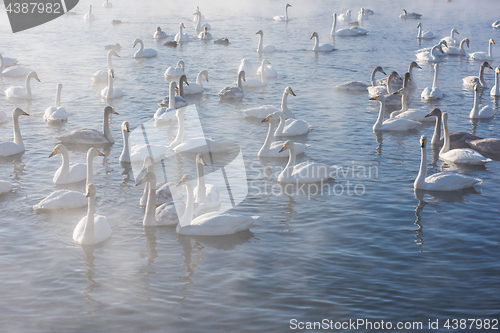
(381, 253)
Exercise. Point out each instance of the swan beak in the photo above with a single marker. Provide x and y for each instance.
(283, 148)
(24, 113)
(312, 36)
(128, 128)
(99, 153)
(142, 181)
(397, 92)
(492, 41)
(181, 182)
(36, 77)
(384, 73)
(441, 49)
(498, 70)
(467, 42)
(291, 92)
(116, 54)
(457, 32)
(89, 192)
(266, 119)
(203, 162)
(134, 44)
(419, 67)
(373, 98)
(489, 66)
(429, 114)
(114, 112)
(54, 152)
(422, 142)
(183, 26)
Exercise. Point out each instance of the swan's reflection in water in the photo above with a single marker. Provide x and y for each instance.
(379, 137)
(88, 250)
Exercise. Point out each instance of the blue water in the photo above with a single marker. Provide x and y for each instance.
(382, 253)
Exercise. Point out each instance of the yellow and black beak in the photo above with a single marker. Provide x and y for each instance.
(283, 148)
(89, 192)
(266, 119)
(422, 142)
(24, 113)
(373, 98)
(54, 152)
(128, 128)
(99, 153)
(291, 92)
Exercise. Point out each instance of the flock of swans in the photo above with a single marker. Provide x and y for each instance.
(194, 209)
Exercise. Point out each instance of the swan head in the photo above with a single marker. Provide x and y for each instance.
(443, 42)
(137, 41)
(148, 177)
(185, 179)
(314, 34)
(287, 145)
(181, 25)
(205, 29)
(265, 62)
(406, 79)
(415, 65)
(289, 90)
(59, 86)
(492, 41)
(348, 12)
(475, 88)
(242, 75)
(466, 40)
(109, 110)
(180, 64)
(260, 32)
(436, 112)
(380, 98)
(444, 116)
(486, 64)
(380, 69)
(59, 148)
(405, 12)
(91, 192)
(288, 5)
(497, 70)
(423, 140)
(205, 74)
(34, 75)
(272, 118)
(18, 112)
(455, 31)
(200, 160)
(92, 152)
(184, 79)
(158, 30)
(419, 25)
(125, 127)
(441, 49)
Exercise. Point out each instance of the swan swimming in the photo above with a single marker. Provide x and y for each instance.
(234, 92)
(181, 37)
(405, 113)
(12, 71)
(261, 48)
(452, 50)
(407, 15)
(362, 16)
(346, 32)
(361, 86)
(460, 155)
(68, 173)
(484, 55)
(8, 62)
(291, 127)
(398, 82)
(442, 181)
(391, 124)
(489, 146)
(89, 16)
(91, 136)
(433, 93)
(17, 146)
(424, 34)
(164, 114)
(254, 82)
(496, 24)
(142, 52)
(247, 67)
(22, 92)
(495, 90)
(137, 152)
(471, 81)
(56, 113)
(485, 112)
(450, 40)
(107, 4)
(269, 70)
(159, 34)
(173, 72)
(180, 100)
(345, 17)
(205, 35)
(197, 88)
(323, 47)
(430, 56)
(211, 224)
(272, 149)
(386, 89)
(102, 76)
(281, 17)
(261, 112)
(110, 91)
(93, 228)
(201, 26)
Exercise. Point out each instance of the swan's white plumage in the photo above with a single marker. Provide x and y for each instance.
(272, 149)
(22, 92)
(142, 52)
(62, 199)
(17, 146)
(56, 113)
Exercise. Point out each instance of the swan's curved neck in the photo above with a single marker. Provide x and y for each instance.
(109, 59)
(452, 34)
(281, 126)
(372, 79)
(316, 43)
(141, 49)
(462, 45)
(481, 76)
(267, 144)
(90, 170)
(434, 82)
(422, 174)
(188, 214)
(434, 48)
(171, 97)
(201, 190)
(490, 50)
(88, 230)
(334, 25)
(238, 82)
(419, 31)
(65, 162)
(381, 115)
(58, 96)
(105, 126)
(436, 137)
(180, 131)
(199, 79)
(180, 29)
(388, 84)
(110, 92)
(475, 109)
(261, 43)
(284, 106)
(446, 144)
(28, 87)
(291, 162)
(149, 215)
(286, 13)
(125, 157)
(18, 139)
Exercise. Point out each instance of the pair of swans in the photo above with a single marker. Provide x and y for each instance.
(424, 34)
(138, 152)
(472, 81)
(142, 52)
(485, 112)
(89, 16)
(111, 91)
(22, 92)
(68, 173)
(483, 55)
(171, 73)
(262, 111)
(387, 90)
(495, 90)
(272, 149)
(323, 47)
(261, 48)
(442, 181)
(17, 146)
(65, 199)
(346, 32)
(180, 100)
(91, 136)
(164, 114)
(450, 40)
(288, 127)
(361, 86)
(281, 18)
(12, 71)
(159, 34)
(433, 93)
(398, 82)
(56, 113)
(102, 76)
(431, 56)
(459, 155)
(305, 172)
(453, 50)
(234, 92)
(391, 124)
(410, 114)
(407, 15)
(181, 37)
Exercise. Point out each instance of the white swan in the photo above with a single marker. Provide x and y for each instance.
(5, 187)
(234, 92)
(450, 40)
(196, 18)
(411, 114)
(424, 34)
(485, 112)
(180, 100)
(12, 71)
(392, 124)
(323, 47)
(102, 76)
(442, 181)
(305, 172)
(200, 26)
(138, 152)
(89, 16)
(291, 127)
(361, 86)
(206, 196)
(159, 34)
(56, 113)
(430, 56)
(110, 91)
(282, 18)
(272, 149)
(345, 17)
(495, 90)
(8, 62)
(22, 92)
(261, 112)
(461, 155)
(457, 139)
(261, 48)
(92, 229)
(211, 224)
(205, 35)
(346, 32)
(407, 15)
(247, 67)
(433, 93)
(16, 147)
(196, 145)
(362, 16)
(471, 81)
(107, 4)
(386, 89)
(181, 37)
(496, 24)
(269, 70)
(398, 82)
(453, 50)
(254, 82)
(164, 114)
(196, 88)
(142, 52)
(91, 136)
(173, 72)
(68, 173)
(484, 55)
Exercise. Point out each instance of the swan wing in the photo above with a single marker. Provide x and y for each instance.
(295, 127)
(449, 181)
(62, 199)
(214, 224)
(83, 136)
(102, 229)
(260, 112)
(464, 156)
